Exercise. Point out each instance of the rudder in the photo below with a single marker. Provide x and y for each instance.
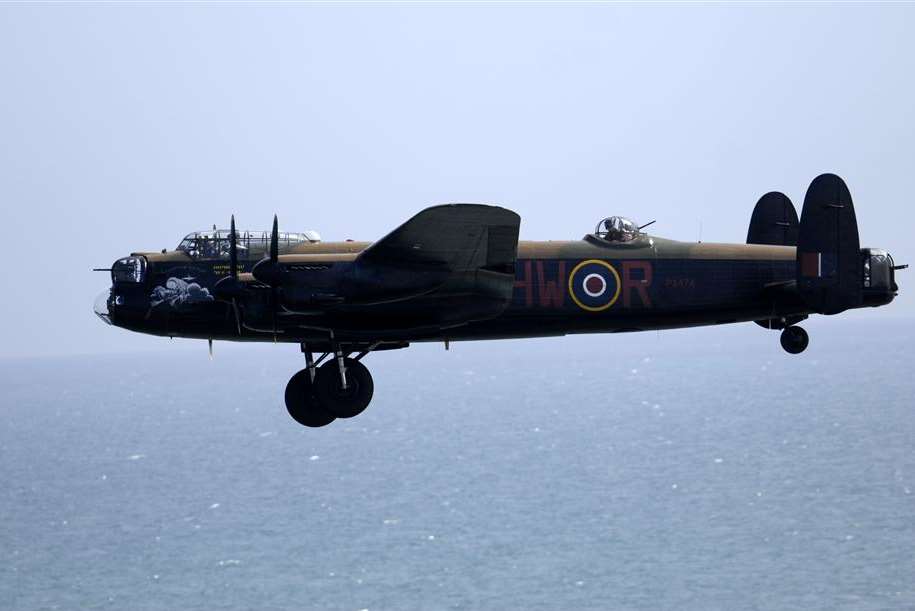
(774, 221)
(829, 273)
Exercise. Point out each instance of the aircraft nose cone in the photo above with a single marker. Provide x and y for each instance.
(101, 306)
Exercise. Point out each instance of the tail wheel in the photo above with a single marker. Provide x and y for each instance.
(344, 402)
(302, 403)
(794, 340)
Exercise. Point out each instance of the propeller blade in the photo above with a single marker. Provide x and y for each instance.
(275, 242)
(228, 287)
(237, 315)
(273, 304)
(268, 270)
(274, 259)
(233, 250)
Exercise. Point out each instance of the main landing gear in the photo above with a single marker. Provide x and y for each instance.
(794, 339)
(319, 394)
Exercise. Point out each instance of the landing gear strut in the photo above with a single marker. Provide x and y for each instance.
(794, 339)
(340, 388)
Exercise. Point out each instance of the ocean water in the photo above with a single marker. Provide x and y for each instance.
(701, 469)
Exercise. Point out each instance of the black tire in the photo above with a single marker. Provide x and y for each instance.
(794, 340)
(303, 405)
(349, 402)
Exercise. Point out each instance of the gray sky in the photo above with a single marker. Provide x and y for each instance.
(124, 127)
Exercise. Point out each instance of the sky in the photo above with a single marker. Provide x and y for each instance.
(124, 127)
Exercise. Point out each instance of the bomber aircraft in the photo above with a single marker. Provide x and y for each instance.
(458, 272)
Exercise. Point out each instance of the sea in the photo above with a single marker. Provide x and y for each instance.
(697, 469)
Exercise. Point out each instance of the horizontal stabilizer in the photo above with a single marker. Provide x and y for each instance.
(774, 221)
(829, 269)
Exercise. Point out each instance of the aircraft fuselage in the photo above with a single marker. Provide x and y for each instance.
(560, 287)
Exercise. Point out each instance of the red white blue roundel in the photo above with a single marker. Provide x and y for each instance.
(594, 285)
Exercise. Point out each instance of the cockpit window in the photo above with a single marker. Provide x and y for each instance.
(250, 244)
(617, 229)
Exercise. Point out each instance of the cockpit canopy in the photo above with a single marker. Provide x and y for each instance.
(617, 229)
(214, 244)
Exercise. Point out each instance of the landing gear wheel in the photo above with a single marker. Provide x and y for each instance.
(794, 340)
(303, 405)
(344, 402)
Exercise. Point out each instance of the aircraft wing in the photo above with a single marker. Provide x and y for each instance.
(447, 265)
(455, 237)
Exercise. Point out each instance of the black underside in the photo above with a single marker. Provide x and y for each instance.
(656, 294)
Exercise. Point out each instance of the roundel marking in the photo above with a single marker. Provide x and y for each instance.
(594, 285)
